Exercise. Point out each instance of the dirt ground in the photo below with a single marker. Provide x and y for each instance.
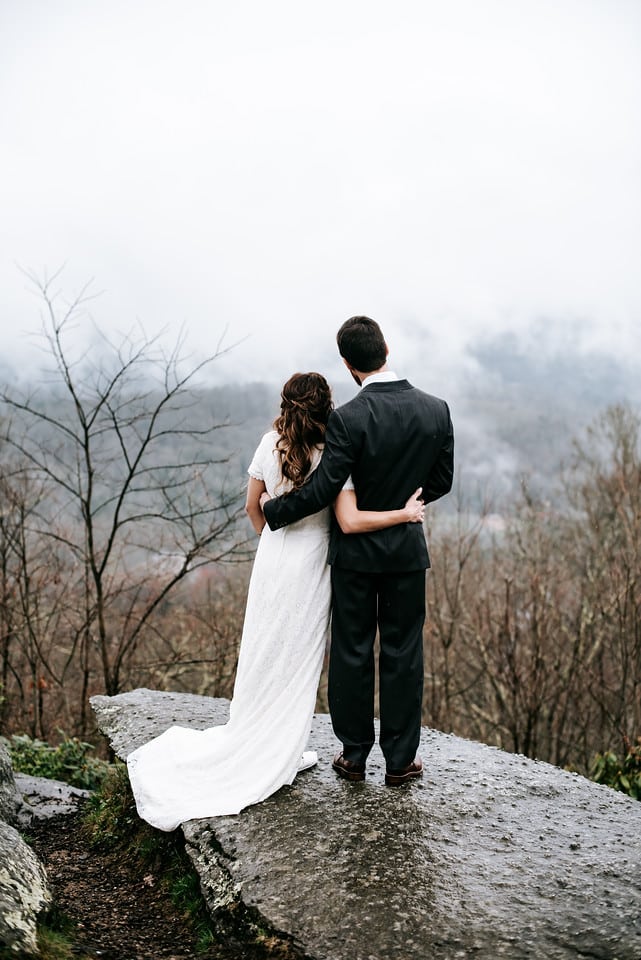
(114, 912)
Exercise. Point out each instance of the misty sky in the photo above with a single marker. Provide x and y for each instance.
(453, 169)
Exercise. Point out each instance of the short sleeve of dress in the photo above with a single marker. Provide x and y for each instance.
(349, 483)
(256, 468)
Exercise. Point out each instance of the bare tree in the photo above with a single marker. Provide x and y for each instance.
(196, 641)
(135, 494)
(458, 564)
(533, 638)
(34, 591)
(604, 490)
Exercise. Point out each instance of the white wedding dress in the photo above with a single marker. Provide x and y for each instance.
(186, 774)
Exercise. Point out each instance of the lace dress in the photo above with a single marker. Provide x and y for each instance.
(186, 774)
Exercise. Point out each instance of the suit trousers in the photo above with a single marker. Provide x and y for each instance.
(395, 604)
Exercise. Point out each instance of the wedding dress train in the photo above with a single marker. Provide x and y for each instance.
(186, 774)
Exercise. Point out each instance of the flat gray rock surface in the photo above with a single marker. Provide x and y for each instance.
(490, 855)
(44, 798)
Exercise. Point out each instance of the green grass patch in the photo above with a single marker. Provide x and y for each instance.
(70, 760)
(56, 938)
(621, 774)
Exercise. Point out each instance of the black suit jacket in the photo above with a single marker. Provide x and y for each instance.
(392, 438)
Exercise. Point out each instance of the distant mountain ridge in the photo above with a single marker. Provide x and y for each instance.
(514, 419)
(516, 408)
(519, 417)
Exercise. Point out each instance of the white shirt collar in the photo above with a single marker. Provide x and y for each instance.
(385, 376)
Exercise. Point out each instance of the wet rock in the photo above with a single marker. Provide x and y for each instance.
(24, 798)
(9, 795)
(490, 855)
(131, 719)
(44, 798)
(23, 893)
(23, 884)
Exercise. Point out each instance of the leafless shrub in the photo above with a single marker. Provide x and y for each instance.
(533, 637)
(124, 496)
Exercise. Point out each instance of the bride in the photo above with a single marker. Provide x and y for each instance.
(187, 774)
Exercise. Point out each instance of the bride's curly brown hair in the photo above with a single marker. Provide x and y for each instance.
(305, 406)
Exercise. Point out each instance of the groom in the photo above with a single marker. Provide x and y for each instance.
(391, 438)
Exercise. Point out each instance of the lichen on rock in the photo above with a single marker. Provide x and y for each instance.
(9, 796)
(24, 893)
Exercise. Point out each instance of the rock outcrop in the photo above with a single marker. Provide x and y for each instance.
(23, 893)
(23, 884)
(9, 796)
(491, 855)
(43, 798)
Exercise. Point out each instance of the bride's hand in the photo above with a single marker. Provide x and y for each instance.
(415, 508)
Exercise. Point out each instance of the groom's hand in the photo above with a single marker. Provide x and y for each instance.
(264, 497)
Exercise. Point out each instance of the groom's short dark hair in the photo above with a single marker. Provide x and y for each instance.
(361, 342)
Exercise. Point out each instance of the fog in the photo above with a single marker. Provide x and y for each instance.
(457, 171)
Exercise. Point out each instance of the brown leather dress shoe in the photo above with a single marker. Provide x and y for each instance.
(394, 778)
(347, 769)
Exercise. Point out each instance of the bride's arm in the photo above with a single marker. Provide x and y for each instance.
(352, 520)
(255, 488)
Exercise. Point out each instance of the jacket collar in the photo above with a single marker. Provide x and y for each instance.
(389, 386)
(385, 376)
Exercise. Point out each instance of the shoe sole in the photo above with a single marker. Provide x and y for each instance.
(397, 780)
(354, 776)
